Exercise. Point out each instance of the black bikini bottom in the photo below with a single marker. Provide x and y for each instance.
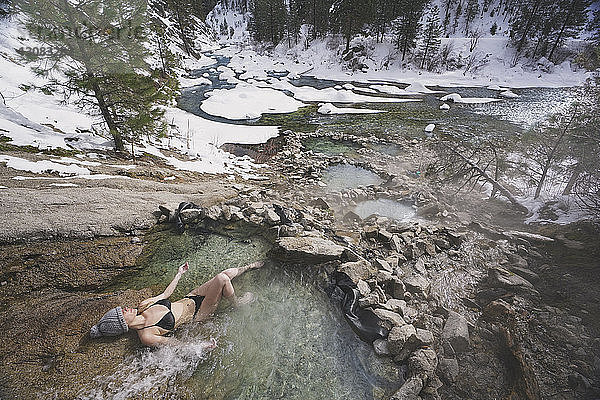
(197, 302)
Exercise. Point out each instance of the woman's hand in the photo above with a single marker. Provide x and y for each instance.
(183, 269)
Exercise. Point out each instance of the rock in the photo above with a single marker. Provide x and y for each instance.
(382, 264)
(309, 249)
(191, 215)
(516, 260)
(381, 347)
(526, 274)
(384, 276)
(497, 309)
(500, 277)
(448, 368)
(290, 230)
(456, 332)
(423, 363)
(256, 219)
(429, 210)
(372, 299)
(370, 232)
(357, 270)
(388, 318)
(363, 288)
(396, 243)
(410, 390)
(423, 337)
(399, 336)
(271, 217)
(529, 236)
(417, 284)
(384, 236)
(351, 216)
(213, 212)
(320, 203)
(396, 306)
(398, 288)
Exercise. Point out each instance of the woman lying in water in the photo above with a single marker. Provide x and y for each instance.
(157, 316)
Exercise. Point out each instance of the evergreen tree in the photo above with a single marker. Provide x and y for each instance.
(349, 16)
(572, 17)
(594, 27)
(100, 51)
(431, 37)
(447, 5)
(406, 26)
(471, 12)
(459, 10)
(267, 17)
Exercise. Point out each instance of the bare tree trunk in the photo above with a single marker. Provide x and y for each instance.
(528, 26)
(495, 184)
(574, 176)
(550, 158)
(562, 29)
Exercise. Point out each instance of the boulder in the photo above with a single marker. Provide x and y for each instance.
(381, 347)
(388, 318)
(308, 250)
(456, 332)
(422, 363)
(526, 274)
(271, 216)
(410, 390)
(357, 270)
(396, 243)
(214, 212)
(448, 369)
(423, 337)
(383, 264)
(363, 287)
(398, 288)
(503, 278)
(320, 203)
(417, 284)
(396, 306)
(351, 216)
(399, 336)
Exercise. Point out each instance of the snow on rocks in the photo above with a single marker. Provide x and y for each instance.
(248, 102)
(444, 106)
(190, 82)
(509, 94)
(328, 108)
(457, 98)
(429, 128)
(43, 166)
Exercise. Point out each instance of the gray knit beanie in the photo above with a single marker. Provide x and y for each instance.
(112, 324)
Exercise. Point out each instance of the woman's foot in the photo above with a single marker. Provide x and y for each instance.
(246, 298)
(254, 265)
(210, 344)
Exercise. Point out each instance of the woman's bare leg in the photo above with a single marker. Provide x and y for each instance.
(218, 287)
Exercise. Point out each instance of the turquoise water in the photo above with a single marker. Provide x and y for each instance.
(347, 176)
(290, 343)
(400, 211)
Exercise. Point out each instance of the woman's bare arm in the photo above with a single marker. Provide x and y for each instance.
(168, 291)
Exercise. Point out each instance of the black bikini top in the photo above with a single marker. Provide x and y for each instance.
(168, 320)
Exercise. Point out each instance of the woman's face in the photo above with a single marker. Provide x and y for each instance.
(129, 314)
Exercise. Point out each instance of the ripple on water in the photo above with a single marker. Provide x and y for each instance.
(345, 176)
(400, 211)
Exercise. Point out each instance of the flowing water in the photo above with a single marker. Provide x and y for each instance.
(291, 343)
(400, 211)
(346, 176)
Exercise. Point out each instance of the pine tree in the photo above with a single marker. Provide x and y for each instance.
(447, 5)
(100, 52)
(431, 37)
(349, 16)
(573, 15)
(459, 10)
(267, 16)
(471, 12)
(406, 26)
